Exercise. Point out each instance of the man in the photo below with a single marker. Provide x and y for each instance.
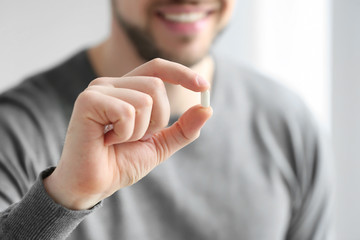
(257, 171)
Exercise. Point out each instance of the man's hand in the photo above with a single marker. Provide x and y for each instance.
(95, 164)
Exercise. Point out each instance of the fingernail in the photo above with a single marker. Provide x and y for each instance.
(108, 128)
(201, 81)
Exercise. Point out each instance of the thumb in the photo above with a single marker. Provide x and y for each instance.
(182, 132)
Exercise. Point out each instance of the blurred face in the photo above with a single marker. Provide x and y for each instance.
(177, 30)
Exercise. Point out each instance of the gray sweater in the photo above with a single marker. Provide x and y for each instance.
(258, 170)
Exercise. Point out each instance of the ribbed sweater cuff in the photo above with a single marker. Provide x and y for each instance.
(37, 216)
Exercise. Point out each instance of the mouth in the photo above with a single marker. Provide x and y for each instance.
(186, 19)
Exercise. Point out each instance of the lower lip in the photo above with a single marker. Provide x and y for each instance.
(185, 28)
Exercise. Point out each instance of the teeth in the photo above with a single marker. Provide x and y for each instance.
(185, 17)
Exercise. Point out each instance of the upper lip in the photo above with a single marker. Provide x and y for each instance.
(175, 8)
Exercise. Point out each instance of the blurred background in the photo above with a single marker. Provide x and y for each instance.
(310, 46)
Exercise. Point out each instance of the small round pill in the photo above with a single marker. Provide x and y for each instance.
(205, 98)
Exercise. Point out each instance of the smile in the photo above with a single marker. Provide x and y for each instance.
(185, 17)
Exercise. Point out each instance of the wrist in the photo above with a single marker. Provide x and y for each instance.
(63, 196)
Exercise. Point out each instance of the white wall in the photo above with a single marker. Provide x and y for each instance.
(36, 34)
(346, 114)
(292, 45)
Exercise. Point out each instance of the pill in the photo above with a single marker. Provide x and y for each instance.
(205, 98)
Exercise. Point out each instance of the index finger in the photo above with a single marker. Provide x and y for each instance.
(173, 73)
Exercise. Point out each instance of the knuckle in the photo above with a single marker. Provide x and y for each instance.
(156, 87)
(183, 135)
(157, 84)
(146, 100)
(128, 112)
(156, 65)
(93, 87)
(156, 62)
(98, 81)
(85, 101)
(86, 96)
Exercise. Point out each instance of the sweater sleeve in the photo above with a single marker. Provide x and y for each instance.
(32, 129)
(37, 216)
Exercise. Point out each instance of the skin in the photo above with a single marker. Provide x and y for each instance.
(95, 164)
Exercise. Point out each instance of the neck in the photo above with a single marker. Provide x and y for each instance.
(116, 56)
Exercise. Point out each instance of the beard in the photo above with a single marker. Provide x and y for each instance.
(147, 49)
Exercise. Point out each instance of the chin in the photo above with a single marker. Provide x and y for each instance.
(187, 59)
(188, 62)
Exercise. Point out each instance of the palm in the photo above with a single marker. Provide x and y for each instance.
(132, 161)
(109, 168)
